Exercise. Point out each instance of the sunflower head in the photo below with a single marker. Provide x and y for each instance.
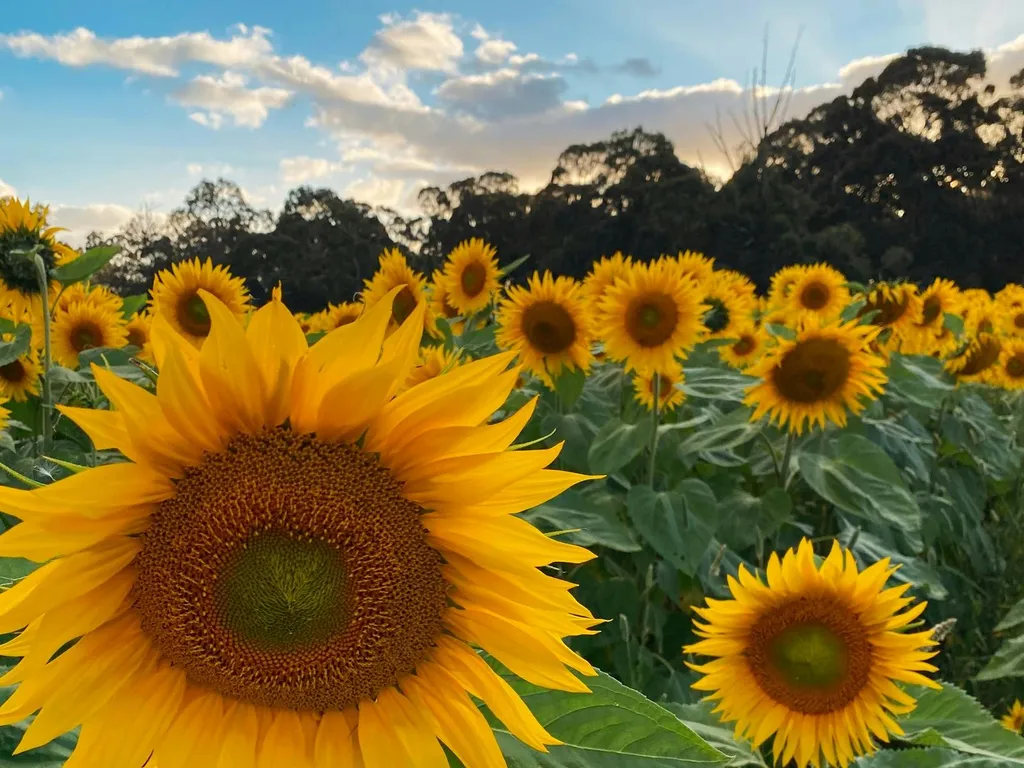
(782, 283)
(1010, 301)
(938, 299)
(432, 362)
(1013, 720)
(651, 317)
(85, 326)
(343, 313)
(1011, 364)
(139, 329)
(817, 377)
(670, 396)
(603, 273)
(812, 655)
(472, 275)
(977, 360)
(99, 295)
(23, 227)
(730, 303)
(818, 291)
(547, 325)
(750, 343)
(176, 296)
(394, 272)
(19, 378)
(695, 265)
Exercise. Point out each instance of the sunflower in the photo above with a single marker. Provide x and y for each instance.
(818, 376)
(394, 272)
(139, 327)
(897, 308)
(95, 294)
(305, 321)
(813, 656)
(1011, 364)
(695, 265)
(176, 296)
(977, 361)
(22, 228)
(1011, 301)
(295, 564)
(546, 324)
(938, 299)
(1013, 720)
(669, 395)
(603, 273)
(440, 303)
(472, 276)
(85, 326)
(730, 303)
(650, 317)
(984, 315)
(432, 362)
(782, 283)
(1011, 295)
(749, 345)
(819, 292)
(20, 378)
(344, 313)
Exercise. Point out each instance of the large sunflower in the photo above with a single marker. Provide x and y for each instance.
(818, 292)
(472, 275)
(85, 326)
(670, 396)
(750, 343)
(650, 317)
(295, 563)
(394, 272)
(978, 360)
(603, 273)
(813, 656)
(1011, 364)
(22, 228)
(20, 378)
(817, 377)
(546, 324)
(176, 296)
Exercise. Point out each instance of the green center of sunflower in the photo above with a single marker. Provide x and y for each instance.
(548, 327)
(13, 372)
(193, 316)
(17, 269)
(812, 371)
(716, 318)
(281, 593)
(404, 304)
(473, 278)
(814, 296)
(85, 336)
(651, 319)
(809, 656)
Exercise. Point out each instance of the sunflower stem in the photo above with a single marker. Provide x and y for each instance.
(654, 430)
(787, 459)
(47, 396)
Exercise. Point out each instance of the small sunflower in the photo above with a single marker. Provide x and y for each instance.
(782, 283)
(19, 379)
(22, 228)
(440, 303)
(1011, 364)
(984, 315)
(1011, 295)
(343, 313)
(749, 345)
(432, 362)
(1013, 720)
(139, 327)
(818, 292)
(696, 265)
(394, 272)
(938, 299)
(472, 276)
(977, 361)
(603, 273)
(99, 295)
(1011, 301)
(817, 377)
(296, 563)
(731, 304)
(305, 321)
(650, 317)
(176, 296)
(85, 326)
(813, 656)
(670, 396)
(897, 308)
(546, 323)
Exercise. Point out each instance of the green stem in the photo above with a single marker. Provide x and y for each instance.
(787, 458)
(654, 430)
(47, 397)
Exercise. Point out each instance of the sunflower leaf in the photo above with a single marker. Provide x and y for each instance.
(16, 347)
(926, 758)
(617, 444)
(677, 524)
(86, 265)
(132, 304)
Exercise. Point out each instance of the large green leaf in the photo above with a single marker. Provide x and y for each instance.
(17, 346)
(611, 727)
(52, 755)
(950, 718)
(1013, 618)
(730, 431)
(716, 384)
(919, 380)
(618, 443)
(858, 477)
(87, 264)
(132, 304)
(1008, 661)
(744, 518)
(591, 519)
(702, 721)
(926, 758)
(677, 524)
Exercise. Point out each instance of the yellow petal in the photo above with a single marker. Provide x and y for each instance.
(277, 343)
(194, 737)
(284, 742)
(336, 745)
(521, 543)
(105, 428)
(241, 730)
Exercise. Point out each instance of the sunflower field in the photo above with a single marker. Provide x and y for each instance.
(652, 519)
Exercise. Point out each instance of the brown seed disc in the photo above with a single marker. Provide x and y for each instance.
(549, 327)
(812, 371)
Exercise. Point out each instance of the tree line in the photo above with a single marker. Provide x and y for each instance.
(918, 173)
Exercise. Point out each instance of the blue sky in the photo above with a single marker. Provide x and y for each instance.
(111, 104)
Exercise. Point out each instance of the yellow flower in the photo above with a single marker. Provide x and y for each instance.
(1011, 364)
(1010, 300)
(669, 395)
(85, 326)
(4, 415)
(749, 345)
(817, 377)
(782, 283)
(977, 361)
(99, 295)
(650, 317)
(472, 276)
(432, 362)
(1013, 720)
(546, 325)
(938, 299)
(731, 304)
(819, 292)
(20, 378)
(813, 656)
(603, 273)
(139, 327)
(395, 272)
(176, 296)
(22, 228)
(440, 303)
(695, 265)
(343, 313)
(295, 564)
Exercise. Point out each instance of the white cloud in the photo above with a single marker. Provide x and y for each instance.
(211, 120)
(502, 94)
(427, 42)
(298, 170)
(161, 56)
(80, 220)
(208, 170)
(6, 190)
(494, 51)
(373, 190)
(228, 95)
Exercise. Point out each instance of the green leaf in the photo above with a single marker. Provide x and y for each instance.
(611, 727)
(961, 723)
(132, 304)
(858, 477)
(14, 569)
(1008, 661)
(52, 755)
(730, 431)
(678, 524)
(716, 384)
(852, 310)
(85, 265)
(920, 380)
(593, 518)
(870, 549)
(313, 338)
(926, 758)
(744, 518)
(569, 386)
(782, 331)
(617, 444)
(16, 347)
(701, 720)
(1014, 618)
(512, 267)
(953, 323)
(105, 357)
